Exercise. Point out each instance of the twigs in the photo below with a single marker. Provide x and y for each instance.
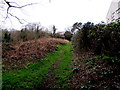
(16, 18)
(10, 5)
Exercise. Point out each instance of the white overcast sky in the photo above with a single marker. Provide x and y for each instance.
(61, 13)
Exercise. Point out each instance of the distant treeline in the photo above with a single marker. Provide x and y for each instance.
(29, 32)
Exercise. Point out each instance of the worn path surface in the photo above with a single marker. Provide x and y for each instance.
(60, 71)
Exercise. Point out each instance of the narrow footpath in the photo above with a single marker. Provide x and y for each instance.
(54, 71)
(60, 72)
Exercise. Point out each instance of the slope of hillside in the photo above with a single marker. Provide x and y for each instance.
(18, 56)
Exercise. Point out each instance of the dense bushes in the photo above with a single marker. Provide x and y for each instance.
(68, 35)
(100, 38)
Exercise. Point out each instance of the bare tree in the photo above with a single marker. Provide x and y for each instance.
(13, 5)
(54, 30)
(32, 26)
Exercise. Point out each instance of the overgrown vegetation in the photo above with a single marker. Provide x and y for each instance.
(97, 53)
(25, 53)
(23, 35)
(30, 31)
(68, 35)
(101, 39)
(34, 74)
(96, 63)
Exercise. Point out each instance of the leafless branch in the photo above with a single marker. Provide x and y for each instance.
(16, 18)
(9, 4)
(24, 5)
(12, 5)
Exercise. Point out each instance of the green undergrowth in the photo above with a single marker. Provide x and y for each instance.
(34, 74)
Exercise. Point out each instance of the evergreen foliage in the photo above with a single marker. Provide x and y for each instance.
(68, 35)
(99, 38)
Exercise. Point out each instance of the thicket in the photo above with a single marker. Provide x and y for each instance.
(23, 35)
(97, 50)
(101, 39)
(10, 38)
(68, 35)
